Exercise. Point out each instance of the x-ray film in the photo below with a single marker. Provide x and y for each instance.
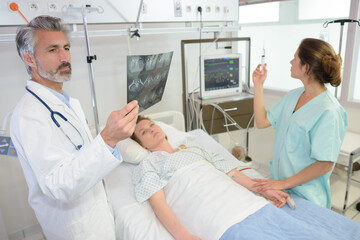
(146, 78)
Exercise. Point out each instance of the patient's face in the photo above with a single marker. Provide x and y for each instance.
(149, 134)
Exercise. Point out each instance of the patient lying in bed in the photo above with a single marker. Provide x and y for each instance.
(210, 205)
(155, 172)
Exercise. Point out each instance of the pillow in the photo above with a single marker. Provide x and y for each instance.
(132, 152)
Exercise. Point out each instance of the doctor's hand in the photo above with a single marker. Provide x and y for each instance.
(259, 76)
(120, 124)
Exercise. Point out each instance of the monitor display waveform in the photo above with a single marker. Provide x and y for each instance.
(221, 73)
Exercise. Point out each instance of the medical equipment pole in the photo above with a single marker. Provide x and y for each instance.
(342, 22)
(138, 15)
(89, 59)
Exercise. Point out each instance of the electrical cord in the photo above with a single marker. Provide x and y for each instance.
(200, 11)
(212, 121)
(193, 111)
(228, 120)
(204, 51)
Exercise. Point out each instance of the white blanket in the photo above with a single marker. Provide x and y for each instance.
(206, 201)
(138, 221)
(214, 203)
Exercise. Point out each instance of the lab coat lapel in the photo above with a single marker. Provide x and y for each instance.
(43, 93)
(49, 98)
(75, 115)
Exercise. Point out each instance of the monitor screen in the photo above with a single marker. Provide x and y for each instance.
(220, 75)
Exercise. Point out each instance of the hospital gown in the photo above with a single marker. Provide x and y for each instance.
(313, 133)
(153, 173)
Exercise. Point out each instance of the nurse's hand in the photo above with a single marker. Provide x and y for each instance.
(259, 76)
(268, 184)
(120, 124)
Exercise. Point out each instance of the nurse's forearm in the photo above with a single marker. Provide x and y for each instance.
(315, 170)
(166, 216)
(259, 108)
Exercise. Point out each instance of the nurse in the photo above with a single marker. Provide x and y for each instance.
(62, 163)
(309, 123)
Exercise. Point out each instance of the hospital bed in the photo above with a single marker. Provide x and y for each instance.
(135, 220)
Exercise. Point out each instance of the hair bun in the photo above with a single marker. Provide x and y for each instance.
(332, 69)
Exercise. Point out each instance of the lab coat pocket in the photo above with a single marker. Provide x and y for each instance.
(96, 224)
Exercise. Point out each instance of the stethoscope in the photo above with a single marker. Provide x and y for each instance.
(52, 114)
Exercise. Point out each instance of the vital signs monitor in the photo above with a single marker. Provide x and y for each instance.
(220, 76)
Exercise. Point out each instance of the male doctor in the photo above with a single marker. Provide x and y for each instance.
(63, 166)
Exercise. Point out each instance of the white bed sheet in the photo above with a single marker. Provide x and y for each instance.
(138, 221)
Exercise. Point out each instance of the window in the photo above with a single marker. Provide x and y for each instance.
(355, 79)
(266, 12)
(322, 9)
(280, 43)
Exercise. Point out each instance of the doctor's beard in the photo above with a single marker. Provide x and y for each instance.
(56, 75)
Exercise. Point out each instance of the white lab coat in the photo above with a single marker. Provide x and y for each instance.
(65, 188)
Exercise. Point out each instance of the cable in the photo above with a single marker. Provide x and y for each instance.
(200, 11)
(212, 121)
(14, 7)
(198, 68)
(228, 120)
(128, 43)
(247, 131)
(198, 71)
(201, 25)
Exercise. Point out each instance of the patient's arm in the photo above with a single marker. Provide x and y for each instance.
(242, 179)
(168, 218)
(277, 196)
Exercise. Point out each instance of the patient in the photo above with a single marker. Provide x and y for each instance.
(153, 174)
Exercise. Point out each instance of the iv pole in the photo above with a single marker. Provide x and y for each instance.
(89, 59)
(342, 22)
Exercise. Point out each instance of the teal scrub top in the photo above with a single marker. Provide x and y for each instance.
(313, 133)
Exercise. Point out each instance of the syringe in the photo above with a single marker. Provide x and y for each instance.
(262, 59)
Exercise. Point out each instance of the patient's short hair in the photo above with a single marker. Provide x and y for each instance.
(139, 119)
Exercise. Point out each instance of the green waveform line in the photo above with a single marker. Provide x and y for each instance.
(212, 64)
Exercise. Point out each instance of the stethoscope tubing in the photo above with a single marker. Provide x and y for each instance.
(52, 115)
